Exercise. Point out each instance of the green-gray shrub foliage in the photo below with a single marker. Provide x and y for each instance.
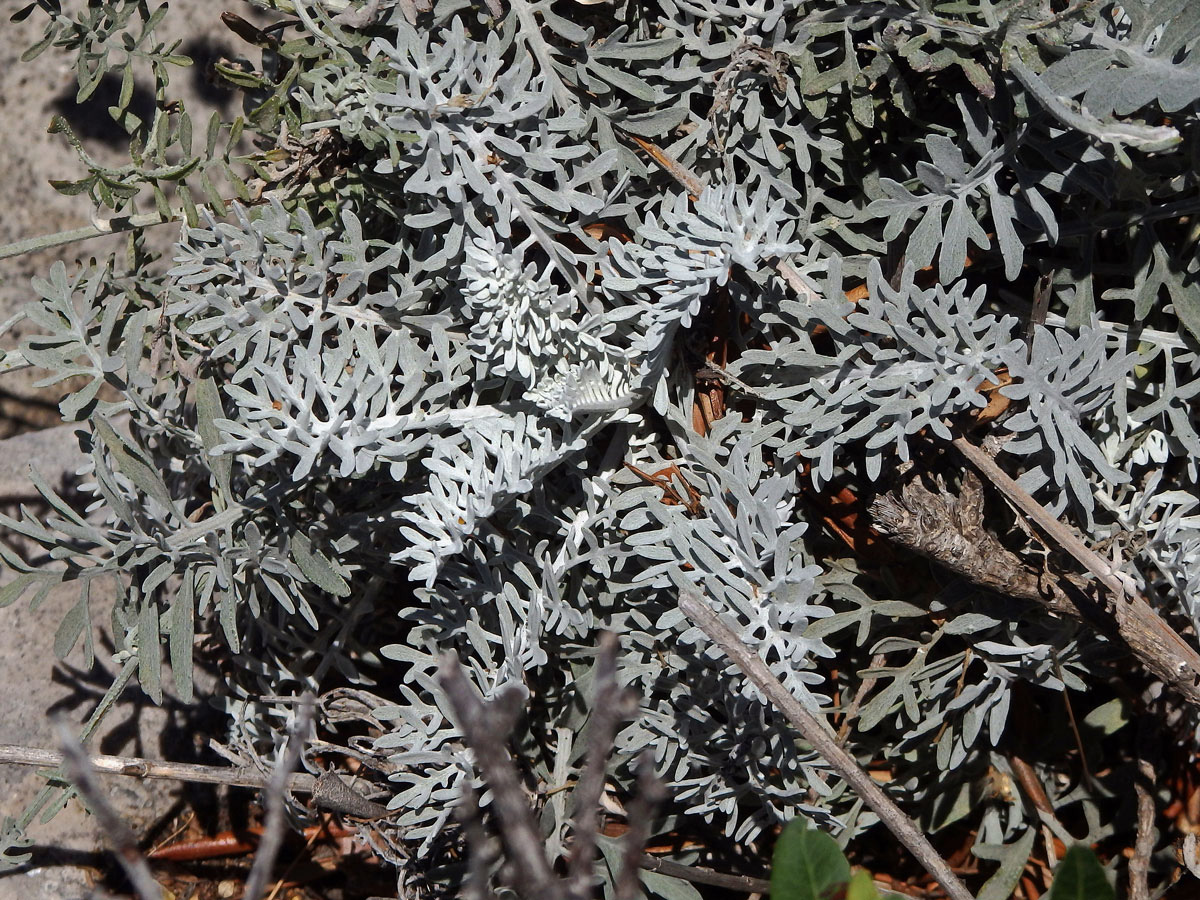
(382, 397)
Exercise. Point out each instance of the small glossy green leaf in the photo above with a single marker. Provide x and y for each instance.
(861, 887)
(1080, 877)
(807, 863)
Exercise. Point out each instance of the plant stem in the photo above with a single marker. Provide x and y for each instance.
(823, 742)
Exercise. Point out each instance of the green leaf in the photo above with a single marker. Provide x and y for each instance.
(214, 196)
(564, 28)
(241, 79)
(227, 615)
(71, 188)
(149, 653)
(807, 864)
(80, 403)
(210, 139)
(37, 49)
(12, 591)
(71, 627)
(861, 887)
(182, 635)
(161, 205)
(132, 465)
(1109, 717)
(174, 173)
(189, 205)
(316, 567)
(654, 124)
(208, 410)
(657, 885)
(1080, 877)
(126, 87)
(1012, 863)
(185, 133)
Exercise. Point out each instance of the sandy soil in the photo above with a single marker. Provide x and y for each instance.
(33, 684)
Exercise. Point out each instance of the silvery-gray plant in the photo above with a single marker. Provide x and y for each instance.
(422, 374)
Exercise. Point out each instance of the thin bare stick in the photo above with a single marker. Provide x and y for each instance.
(747, 884)
(75, 764)
(867, 685)
(136, 767)
(479, 856)
(642, 811)
(610, 705)
(1155, 643)
(686, 178)
(276, 801)
(823, 741)
(1143, 786)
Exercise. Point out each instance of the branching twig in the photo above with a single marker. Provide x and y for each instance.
(78, 769)
(1155, 643)
(823, 742)
(480, 858)
(485, 728)
(610, 706)
(136, 767)
(276, 801)
(867, 685)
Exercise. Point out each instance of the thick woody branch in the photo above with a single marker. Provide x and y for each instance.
(1152, 641)
(949, 530)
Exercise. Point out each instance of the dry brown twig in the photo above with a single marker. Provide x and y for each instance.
(486, 727)
(329, 791)
(1155, 643)
(1144, 782)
